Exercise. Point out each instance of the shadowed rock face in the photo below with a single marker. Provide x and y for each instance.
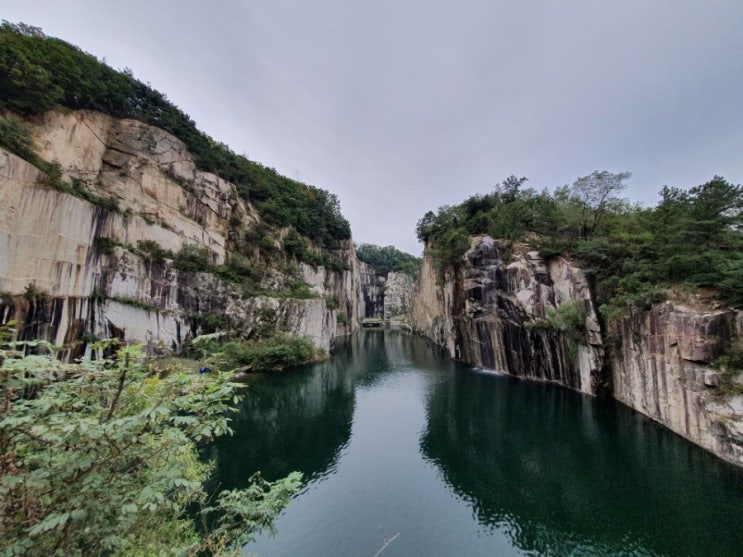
(371, 292)
(485, 311)
(384, 297)
(659, 362)
(60, 285)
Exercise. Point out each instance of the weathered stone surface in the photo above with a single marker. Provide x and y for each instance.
(661, 361)
(48, 242)
(149, 172)
(339, 286)
(398, 292)
(483, 314)
(370, 293)
(386, 297)
(662, 368)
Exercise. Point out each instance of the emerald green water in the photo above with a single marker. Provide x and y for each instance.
(393, 437)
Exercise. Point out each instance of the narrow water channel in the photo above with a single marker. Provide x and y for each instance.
(393, 437)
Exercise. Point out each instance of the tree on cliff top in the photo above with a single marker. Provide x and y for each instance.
(693, 238)
(594, 194)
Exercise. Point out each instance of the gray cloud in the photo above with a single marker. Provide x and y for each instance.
(402, 106)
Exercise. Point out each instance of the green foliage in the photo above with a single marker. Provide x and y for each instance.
(208, 322)
(331, 303)
(38, 73)
(134, 302)
(269, 354)
(731, 364)
(240, 270)
(25, 85)
(296, 246)
(301, 291)
(334, 263)
(594, 194)
(193, 259)
(386, 259)
(732, 361)
(32, 291)
(104, 245)
(568, 319)
(296, 289)
(15, 136)
(449, 249)
(104, 461)
(152, 252)
(631, 254)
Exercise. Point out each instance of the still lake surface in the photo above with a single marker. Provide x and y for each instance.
(392, 436)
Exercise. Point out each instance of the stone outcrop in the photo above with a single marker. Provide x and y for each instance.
(398, 295)
(71, 271)
(339, 287)
(662, 366)
(370, 293)
(69, 267)
(388, 297)
(491, 312)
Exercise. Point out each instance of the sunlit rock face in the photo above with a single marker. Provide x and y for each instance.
(487, 311)
(67, 267)
(662, 366)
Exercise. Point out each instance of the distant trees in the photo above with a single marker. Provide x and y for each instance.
(389, 258)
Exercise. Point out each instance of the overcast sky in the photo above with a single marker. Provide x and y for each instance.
(401, 106)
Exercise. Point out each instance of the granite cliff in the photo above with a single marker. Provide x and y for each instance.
(492, 312)
(384, 296)
(500, 309)
(138, 244)
(663, 365)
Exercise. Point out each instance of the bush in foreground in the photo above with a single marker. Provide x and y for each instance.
(100, 458)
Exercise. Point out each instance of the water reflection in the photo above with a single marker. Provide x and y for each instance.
(566, 475)
(392, 435)
(295, 421)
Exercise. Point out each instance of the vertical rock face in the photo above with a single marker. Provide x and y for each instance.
(69, 267)
(491, 313)
(384, 297)
(398, 294)
(370, 293)
(341, 287)
(662, 367)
